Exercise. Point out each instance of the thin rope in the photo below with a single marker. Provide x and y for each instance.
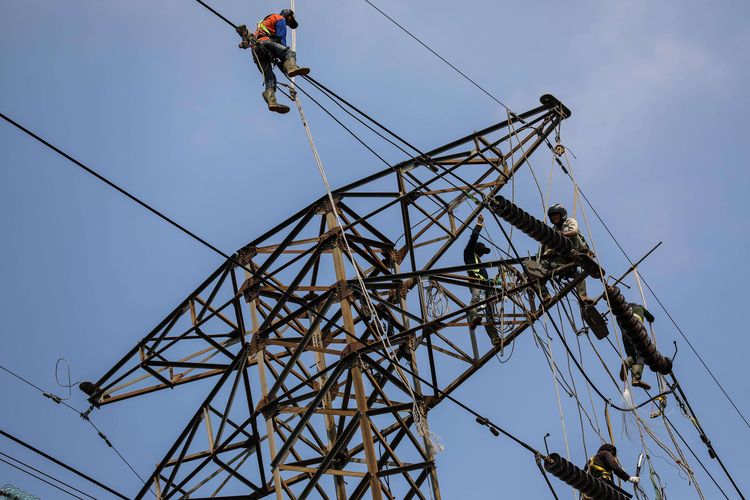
(663, 307)
(419, 419)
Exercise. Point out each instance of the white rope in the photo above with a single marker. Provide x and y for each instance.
(641, 424)
(419, 417)
(557, 391)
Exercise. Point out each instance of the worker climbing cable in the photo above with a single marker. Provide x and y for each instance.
(551, 261)
(604, 464)
(268, 44)
(634, 362)
(473, 255)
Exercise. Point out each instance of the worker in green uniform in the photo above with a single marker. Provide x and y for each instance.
(550, 261)
(473, 253)
(633, 361)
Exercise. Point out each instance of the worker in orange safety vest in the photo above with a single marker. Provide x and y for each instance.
(269, 46)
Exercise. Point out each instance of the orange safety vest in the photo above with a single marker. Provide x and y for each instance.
(267, 27)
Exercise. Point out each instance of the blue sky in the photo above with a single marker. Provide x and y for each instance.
(156, 96)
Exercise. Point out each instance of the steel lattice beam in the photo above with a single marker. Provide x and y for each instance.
(304, 398)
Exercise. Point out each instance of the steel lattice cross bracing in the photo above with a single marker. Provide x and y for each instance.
(305, 400)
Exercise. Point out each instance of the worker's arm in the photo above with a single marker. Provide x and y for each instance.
(281, 30)
(570, 227)
(471, 245)
(546, 251)
(613, 465)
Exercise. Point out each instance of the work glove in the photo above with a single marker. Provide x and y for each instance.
(634, 479)
(245, 34)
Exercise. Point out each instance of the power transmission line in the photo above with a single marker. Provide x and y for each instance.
(46, 475)
(41, 479)
(663, 307)
(62, 464)
(83, 415)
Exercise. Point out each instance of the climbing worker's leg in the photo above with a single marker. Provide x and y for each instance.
(629, 361)
(637, 372)
(290, 65)
(636, 369)
(492, 331)
(540, 271)
(474, 316)
(489, 327)
(580, 245)
(270, 97)
(263, 61)
(581, 289)
(286, 57)
(634, 363)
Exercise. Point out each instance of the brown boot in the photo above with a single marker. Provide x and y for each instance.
(270, 97)
(622, 372)
(586, 300)
(640, 383)
(291, 69)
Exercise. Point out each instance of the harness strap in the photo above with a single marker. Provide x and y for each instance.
(476, 272)
(601, 471)
(262, 31)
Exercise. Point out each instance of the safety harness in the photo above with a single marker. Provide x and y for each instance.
(263, 31)
(597, 470)
(476, 273)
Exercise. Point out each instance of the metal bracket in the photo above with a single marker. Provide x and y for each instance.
(245, 254)
(250, 289)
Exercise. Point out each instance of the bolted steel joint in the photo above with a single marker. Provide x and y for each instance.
(245, 254)
(250, 289)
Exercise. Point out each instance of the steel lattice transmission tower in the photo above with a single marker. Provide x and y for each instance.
(305, 401)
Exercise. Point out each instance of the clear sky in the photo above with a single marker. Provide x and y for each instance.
(157, 96)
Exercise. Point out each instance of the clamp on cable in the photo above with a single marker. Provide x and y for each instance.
(484, 421)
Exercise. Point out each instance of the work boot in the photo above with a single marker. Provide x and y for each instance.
(291, 69)
(245, 34)
(476, 321)
(622, 372)
(586, 300)
(270, 97)
(640, 383)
